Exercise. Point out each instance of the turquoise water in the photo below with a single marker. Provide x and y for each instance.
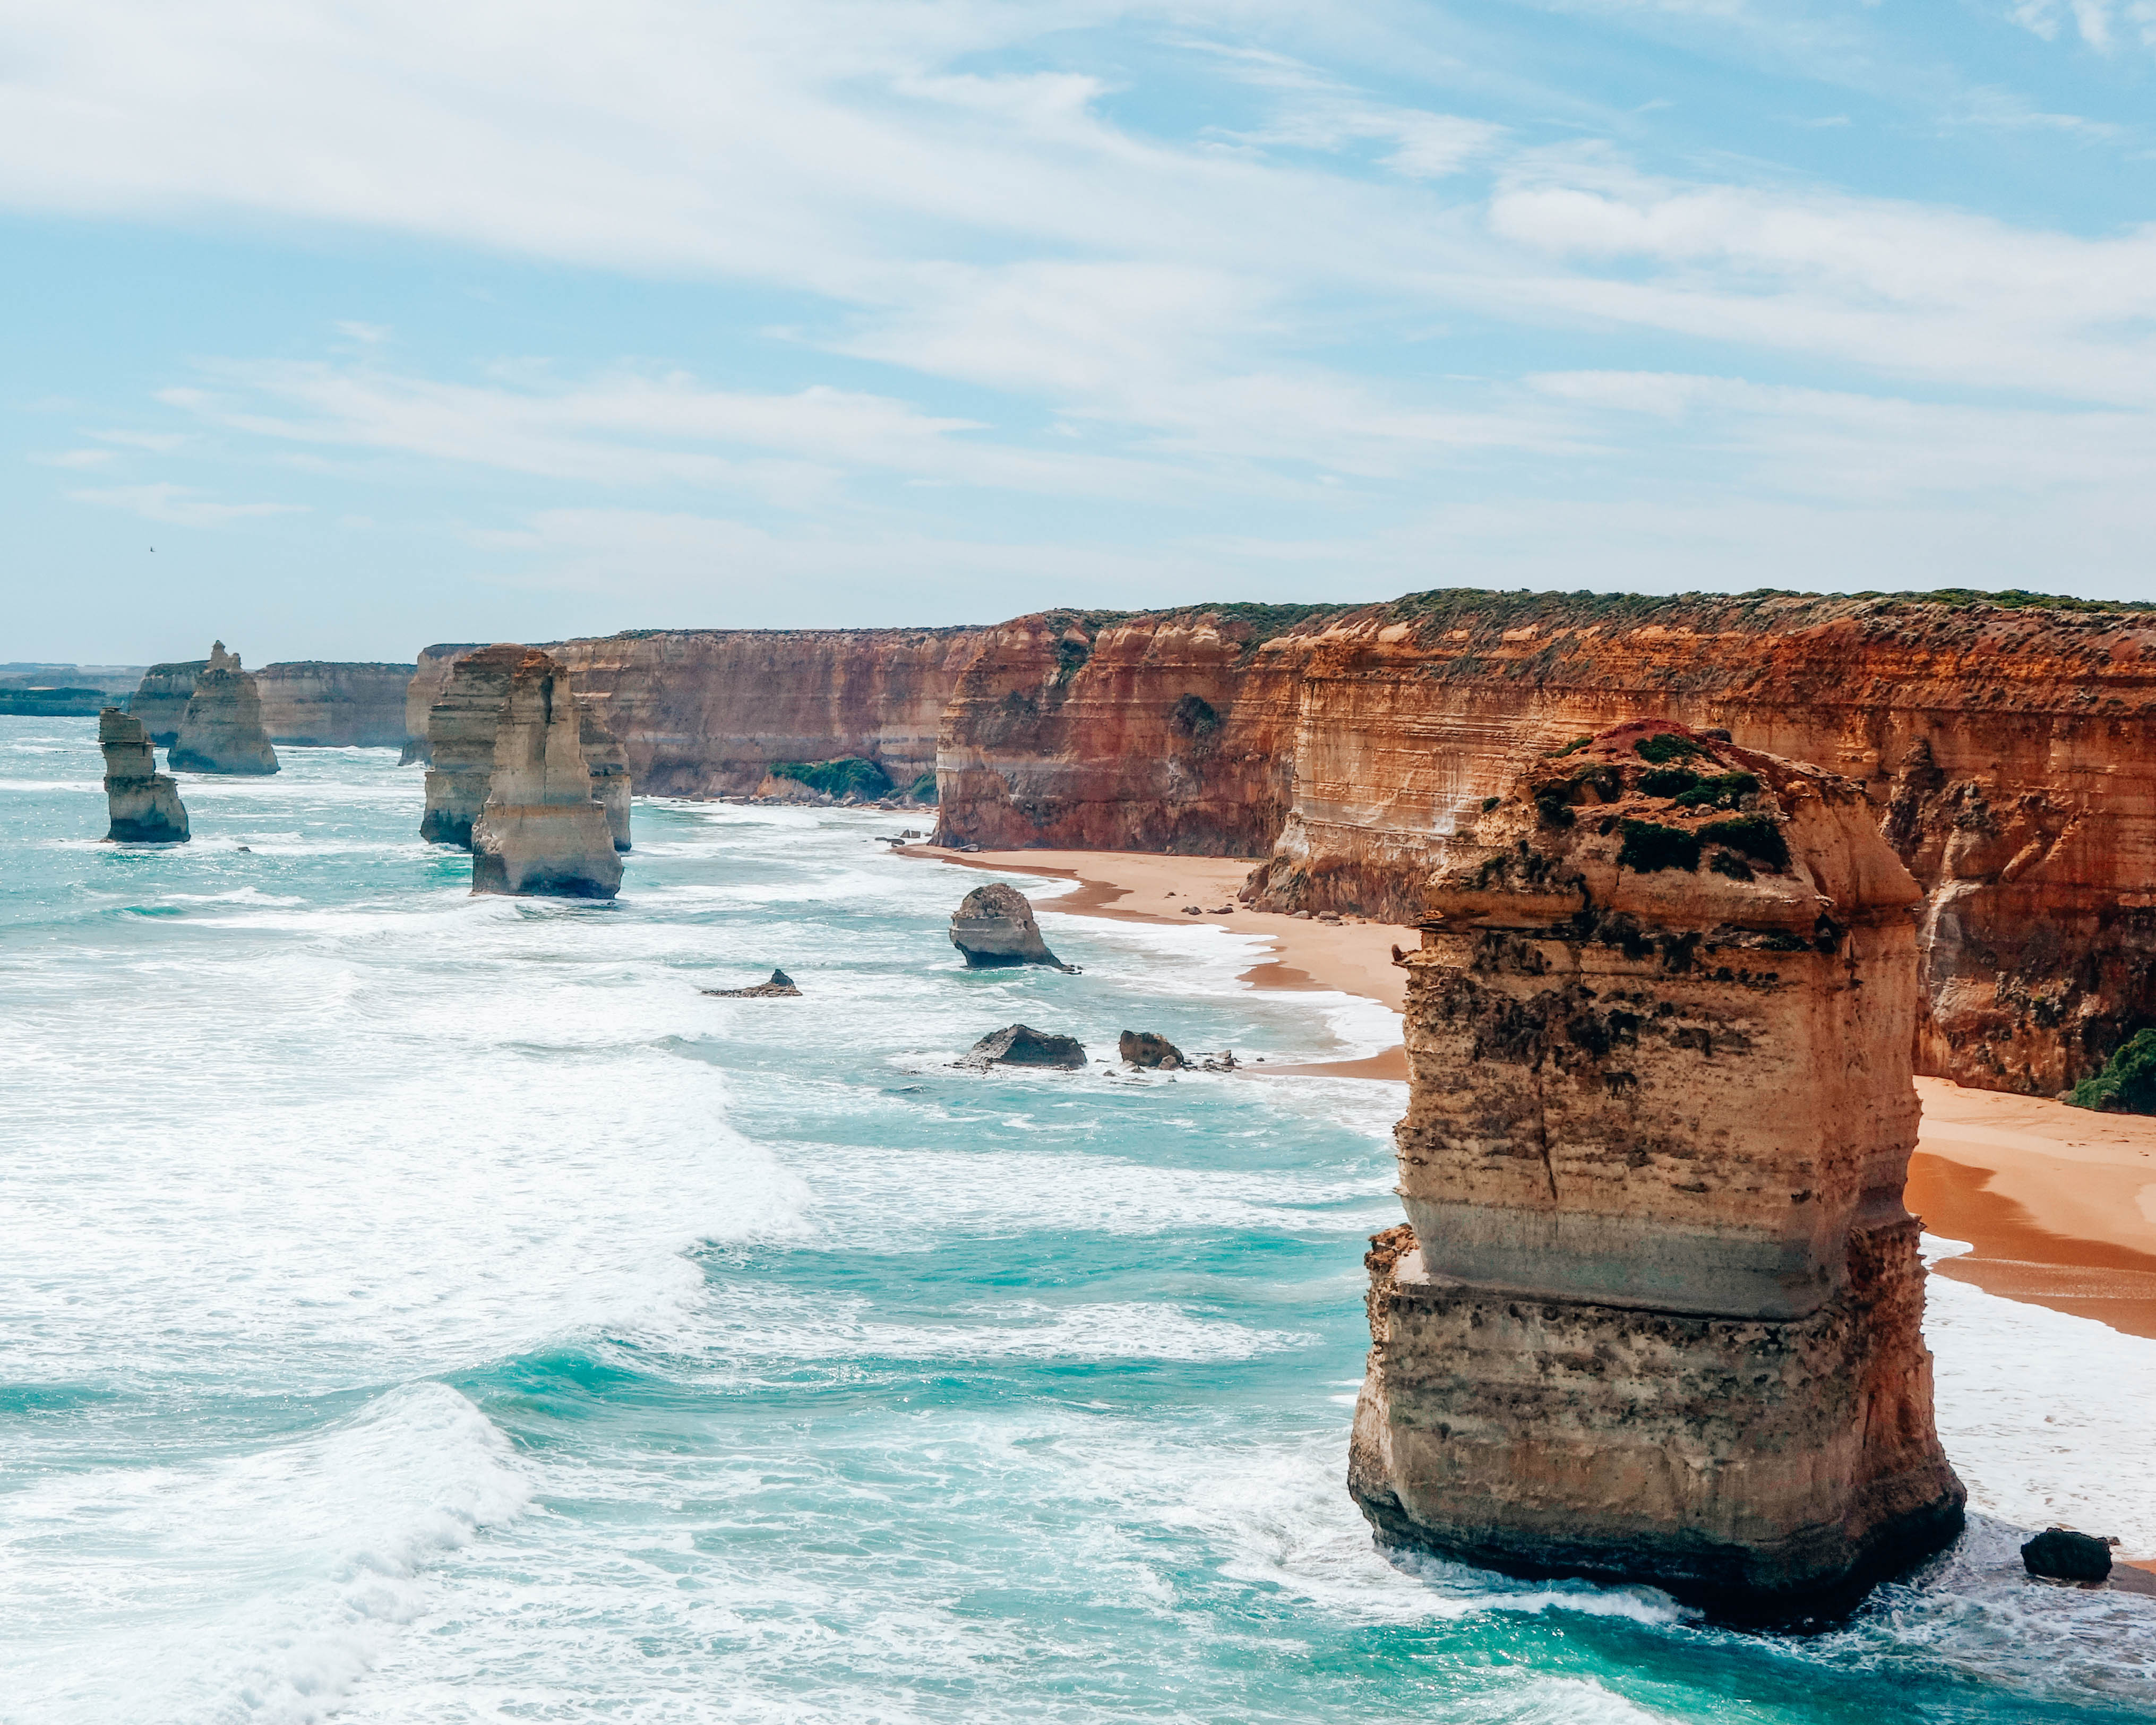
(425, 1308)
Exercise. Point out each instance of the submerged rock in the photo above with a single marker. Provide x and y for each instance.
(993, 925)
(780, 983)
(462, 728)
(1142, 1048)
(1658, 1317)
(144, 804)
(222, 730)
(1021, 1045)
(541, 831)
(2065, 1555)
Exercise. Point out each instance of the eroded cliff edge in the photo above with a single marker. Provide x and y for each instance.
(1657, 1315)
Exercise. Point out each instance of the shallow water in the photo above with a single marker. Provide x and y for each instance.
(425, 1308)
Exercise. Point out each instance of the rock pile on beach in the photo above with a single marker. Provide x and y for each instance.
(780, 984)
(542, 832)
(220, 730)
(1647, 1324)
(1021, 1045)
(993, 925)
(144, 805)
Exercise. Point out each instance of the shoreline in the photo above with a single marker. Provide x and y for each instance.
(2058, 1204)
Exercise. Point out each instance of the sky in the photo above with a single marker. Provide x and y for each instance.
(336, 329)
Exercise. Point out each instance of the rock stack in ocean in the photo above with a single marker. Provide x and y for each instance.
(162, 701)
(462, 727)
(541, 830)
(222, 730)
(608, 762)
(145, 805)
(993, 925)
(1658, 1317)
(430, 677)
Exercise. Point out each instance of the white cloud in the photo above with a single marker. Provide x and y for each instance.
(73, 458)
(179, 505)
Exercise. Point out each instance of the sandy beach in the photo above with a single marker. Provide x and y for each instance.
(2058, 1204)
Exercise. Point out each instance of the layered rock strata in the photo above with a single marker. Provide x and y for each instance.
(143, 803)
(994, 926)
(462, 729)
(541, 831)
(430, 678)
(325, 704)
(162, 700)
(608, 764)
(1657, 1315)
(221, 731)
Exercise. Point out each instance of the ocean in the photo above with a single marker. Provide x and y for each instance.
(418, 1307)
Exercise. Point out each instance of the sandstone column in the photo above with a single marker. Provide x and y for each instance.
(608, 762)
(220, 730)
(1657, 1315)
(144, 804)
(461, 729)
(541, 830)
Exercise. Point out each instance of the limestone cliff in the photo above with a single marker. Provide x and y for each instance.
(162, 698)
(1659, 1316)
(143, 804)
(314, 703)
(220, 730)
(541, 830)
(1172, 732)
(712, 711)
(461, 728)
(609, 764)
(430, 676)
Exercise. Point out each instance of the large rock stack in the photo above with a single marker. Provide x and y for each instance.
(461, 728)
(162, 700)
(222, 730)
(1658, 1317)
(144, 804)
(541, 830)
(993, 927)
(430, 678)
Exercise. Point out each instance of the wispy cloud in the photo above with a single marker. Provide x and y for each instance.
(179, 506)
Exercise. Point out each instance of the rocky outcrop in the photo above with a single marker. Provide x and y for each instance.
(162, 699)
(609, 762)
(780, 985)
(1021, 1045)
(325, 704)
(710, 711)
(1657, 1316)
(220, 730)
(462, 729)
(541, 831)
(430, 678)
(1144, 1048)
(144, 804)
(994, 926)
(2061, 1554)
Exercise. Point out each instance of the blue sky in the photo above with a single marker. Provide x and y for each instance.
(387, 323)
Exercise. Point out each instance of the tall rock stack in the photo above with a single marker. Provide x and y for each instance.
(144, 804)
(430, 677)
(608, 762)
(162, 701)
(220, 730)
(461, 728)
(541, 831)
(1657, 1315)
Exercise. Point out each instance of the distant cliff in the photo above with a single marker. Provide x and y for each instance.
(334, 704)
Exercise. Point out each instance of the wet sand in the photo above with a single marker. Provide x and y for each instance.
(2059, 1203)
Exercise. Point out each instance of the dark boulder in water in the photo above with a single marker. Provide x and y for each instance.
(2065, 1555)
(1021, 1045)
(780, 984)
(993, 925)
(1143, 1048)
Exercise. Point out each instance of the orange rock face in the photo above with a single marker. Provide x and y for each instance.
(1659, 1316)
(541, 830)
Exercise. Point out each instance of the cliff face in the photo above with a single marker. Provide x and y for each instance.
(1644, 1328)
(220, 730)
(541, 830)
(706, 712)
(607, 762)
(1169, 733)
(144, 805)
(461, 729)
(2005, 751)
(162, 698)
(321, 704)
(430, 676)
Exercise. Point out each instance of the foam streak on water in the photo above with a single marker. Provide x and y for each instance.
(424, 1308)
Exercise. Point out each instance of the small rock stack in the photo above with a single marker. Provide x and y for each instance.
(994, 925)
(144, 804)
(1657, 1316)
(222, 729)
